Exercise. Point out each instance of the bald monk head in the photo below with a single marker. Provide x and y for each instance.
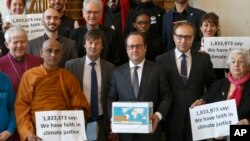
(51, 53)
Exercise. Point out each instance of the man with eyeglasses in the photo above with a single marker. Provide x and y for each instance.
(154, 42)
(188, 73)
(92, 11)
(140, 80)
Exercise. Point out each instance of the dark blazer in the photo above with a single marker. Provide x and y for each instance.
(194, 16)
(76, 66)
(219, 92)
(68, 48)
(111, 48)
(67, 25)
(153, 88)
(201, 75)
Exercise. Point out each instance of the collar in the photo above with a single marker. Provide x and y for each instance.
(178, 53)
(132, 65)
(92, 27)
(46, 37)
(88, 61)
(16, 59)
(186, 10)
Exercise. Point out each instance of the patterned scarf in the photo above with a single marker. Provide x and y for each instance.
(238, 90)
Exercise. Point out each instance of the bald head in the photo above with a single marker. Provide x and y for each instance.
(51, 53)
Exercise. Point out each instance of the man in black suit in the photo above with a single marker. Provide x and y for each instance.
(67, 23)
(188, 74)
(152, 86)
(181, 12)
(81, 68)
(92, 11)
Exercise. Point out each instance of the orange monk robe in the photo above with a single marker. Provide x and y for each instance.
(42, 90)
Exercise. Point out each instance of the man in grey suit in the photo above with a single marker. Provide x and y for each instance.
(153, 86)
(81, 68)
(51, 21)
(188, 74)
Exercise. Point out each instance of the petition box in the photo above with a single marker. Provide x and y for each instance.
(132, 117)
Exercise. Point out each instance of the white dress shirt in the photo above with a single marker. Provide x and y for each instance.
(178, 59)
(87, 81)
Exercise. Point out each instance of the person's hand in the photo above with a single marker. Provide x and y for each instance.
(6, 26)
(243, 122)
(220, 138)
(33, 137)
(197, 103)
(155, 122)
(4, 135)
(113, 137)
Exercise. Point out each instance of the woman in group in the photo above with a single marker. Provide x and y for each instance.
(235, 86)
(16, 7)
(7, 99)
(209, 27)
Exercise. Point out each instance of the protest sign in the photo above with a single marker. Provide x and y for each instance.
(219, 47)
(32, 23)
(60, 125)
(213, 120)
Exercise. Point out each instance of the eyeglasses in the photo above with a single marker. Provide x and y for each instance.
(92, 12)
(186, 37)
(138, 46)
(143, 22)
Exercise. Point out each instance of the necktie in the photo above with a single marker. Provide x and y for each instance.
(135, 81)
(184, 69)
(113, 5)
(94, 93)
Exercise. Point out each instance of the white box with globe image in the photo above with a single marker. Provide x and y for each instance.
(132, 117)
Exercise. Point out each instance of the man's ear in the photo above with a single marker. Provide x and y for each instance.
(6, 44)
(134, 25)
(41, 52)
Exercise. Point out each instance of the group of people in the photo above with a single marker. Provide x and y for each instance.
(88, 68)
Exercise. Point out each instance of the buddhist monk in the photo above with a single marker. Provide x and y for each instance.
(46, 87)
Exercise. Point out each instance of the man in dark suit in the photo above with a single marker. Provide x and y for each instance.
(92, 11)
(81, 68)
(51, 21)
(188, 74)
(67, 23)
(151, 86)
(182, 12)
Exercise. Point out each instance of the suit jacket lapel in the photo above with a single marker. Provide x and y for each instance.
(193, 68)
(103, 72)
(80, 71)
(175, 70)
(127, 81)
(144, 78)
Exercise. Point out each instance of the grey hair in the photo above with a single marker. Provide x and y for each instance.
(245, 53)
(14, 31)
(97, 2)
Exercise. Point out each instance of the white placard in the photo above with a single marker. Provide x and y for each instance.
(219, 48)
(32, 23)
(213, 120)
(60, 125)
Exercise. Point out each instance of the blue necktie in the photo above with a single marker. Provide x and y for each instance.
(184, 69)
(94, 94)
(135, 82)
